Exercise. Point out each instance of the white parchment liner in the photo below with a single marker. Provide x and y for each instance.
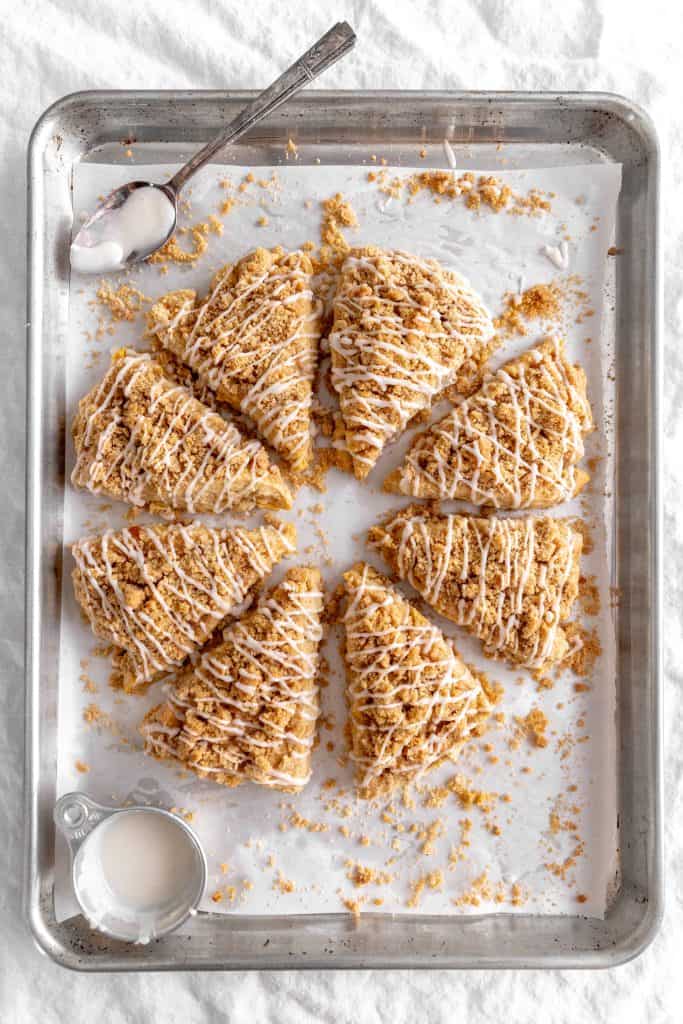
(240, 828)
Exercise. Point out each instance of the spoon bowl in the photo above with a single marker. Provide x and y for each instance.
(126, 214)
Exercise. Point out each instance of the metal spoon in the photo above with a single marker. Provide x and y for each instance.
(99, 229)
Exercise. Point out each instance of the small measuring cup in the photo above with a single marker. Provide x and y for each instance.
(128, 888)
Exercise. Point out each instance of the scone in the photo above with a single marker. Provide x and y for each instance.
(412, 701)
(157, 593)
(403, 330)
(510, 582)
(254, 341)
(247, 710)
(514, 443)
(141, 438)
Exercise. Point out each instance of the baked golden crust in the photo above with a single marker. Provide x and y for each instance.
(403, 329)
(157, 593)
(254, 342)
(142, 438)
(247, 709)
(514, 443)
(412, 701)
(511, 582)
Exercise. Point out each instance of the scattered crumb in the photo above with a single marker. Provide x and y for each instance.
(122, 303)
(353, 906)
(172, 251)
(337, 214)
(432, 880)
(282, 884)
(476, 192)
(539, 302)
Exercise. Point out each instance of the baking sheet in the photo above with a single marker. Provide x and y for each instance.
(245, 829)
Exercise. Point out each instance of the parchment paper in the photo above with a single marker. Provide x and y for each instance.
(249, 830)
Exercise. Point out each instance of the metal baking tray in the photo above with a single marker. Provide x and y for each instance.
(347, 127)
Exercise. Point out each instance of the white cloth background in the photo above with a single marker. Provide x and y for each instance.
(51, 48)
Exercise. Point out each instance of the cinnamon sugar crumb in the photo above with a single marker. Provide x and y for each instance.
(589, 595)
(539, 302)
(432, 880)
(476, 192)
(584, 649)
(122, 303)
(469, 796)
(173, 252)
(535, 725)
(353, 906)
(337, 214)
(282, 884)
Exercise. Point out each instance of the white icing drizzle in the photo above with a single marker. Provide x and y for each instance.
(506, 578)
(224, 339)
(178, 451)
(249, 681)
(384, 674)
(449, 154)
(384, 370)
(157, 643)
(550, 407)
(557, 254)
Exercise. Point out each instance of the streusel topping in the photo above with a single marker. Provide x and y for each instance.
(248, 709)
(403, 328)
(514, 443)
(158, 592)
(412, 701)
(511, 582)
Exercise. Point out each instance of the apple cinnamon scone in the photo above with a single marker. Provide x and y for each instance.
(247, 709)
(412, 701)
(157, 593)
(510, 582)
(141, 438)
(403, 329)
(254, 341)
(514, 443)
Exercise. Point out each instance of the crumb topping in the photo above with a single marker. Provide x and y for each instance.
(511, 582)
(515, 443)
(403, 328)
(248, 709)
(158, 592)
(412, 702)
(145, 440)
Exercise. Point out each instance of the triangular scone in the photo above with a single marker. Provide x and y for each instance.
(141, 438)
(412, 701)
(403, 329)
(248, 708)
(515, 443)
(254, 341)
(511, 582)
(157, 593)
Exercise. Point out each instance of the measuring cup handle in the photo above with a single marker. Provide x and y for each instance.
(76, 815)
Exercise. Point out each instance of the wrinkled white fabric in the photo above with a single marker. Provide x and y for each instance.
(51, 48)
